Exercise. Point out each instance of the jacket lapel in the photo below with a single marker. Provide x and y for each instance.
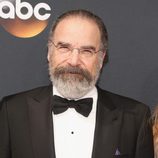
(41, 126)
(108, 128)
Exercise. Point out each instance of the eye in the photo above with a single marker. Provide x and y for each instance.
(87, 51)
(63, 48)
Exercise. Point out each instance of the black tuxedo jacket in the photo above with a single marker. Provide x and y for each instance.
(26, 126)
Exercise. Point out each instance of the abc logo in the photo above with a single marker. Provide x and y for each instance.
(21, 19)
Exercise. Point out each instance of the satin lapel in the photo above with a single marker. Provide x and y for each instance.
(41, 127)
(108, 127)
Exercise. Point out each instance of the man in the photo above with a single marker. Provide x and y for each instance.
(86, 121)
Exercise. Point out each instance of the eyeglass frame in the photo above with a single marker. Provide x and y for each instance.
(80, 50)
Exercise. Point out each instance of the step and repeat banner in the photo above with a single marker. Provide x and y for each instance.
(132, 69)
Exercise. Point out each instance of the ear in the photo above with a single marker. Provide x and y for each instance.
(103, 57)
(48, 56)
(49, 53)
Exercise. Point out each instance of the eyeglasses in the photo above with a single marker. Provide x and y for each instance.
(67, 49)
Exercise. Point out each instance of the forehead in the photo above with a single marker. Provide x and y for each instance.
(77, 28)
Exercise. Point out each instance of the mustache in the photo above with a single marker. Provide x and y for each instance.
(73, 70)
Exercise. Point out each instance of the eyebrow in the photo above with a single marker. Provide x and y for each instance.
(82, 47)
(63, 43)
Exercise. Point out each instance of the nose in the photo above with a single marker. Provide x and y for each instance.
(74, 58)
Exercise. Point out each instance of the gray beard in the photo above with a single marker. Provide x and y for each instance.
(72, 82)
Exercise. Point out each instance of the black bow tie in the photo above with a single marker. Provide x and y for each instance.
(83, 106)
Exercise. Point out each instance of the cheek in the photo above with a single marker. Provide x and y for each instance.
(55, 60)
(93, 66)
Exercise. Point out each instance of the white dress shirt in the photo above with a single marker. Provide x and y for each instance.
(74, 133)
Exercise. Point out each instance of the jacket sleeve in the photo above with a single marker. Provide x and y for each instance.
(144, 148)
(4, 132)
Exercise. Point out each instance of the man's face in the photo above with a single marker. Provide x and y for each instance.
(73, 68)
